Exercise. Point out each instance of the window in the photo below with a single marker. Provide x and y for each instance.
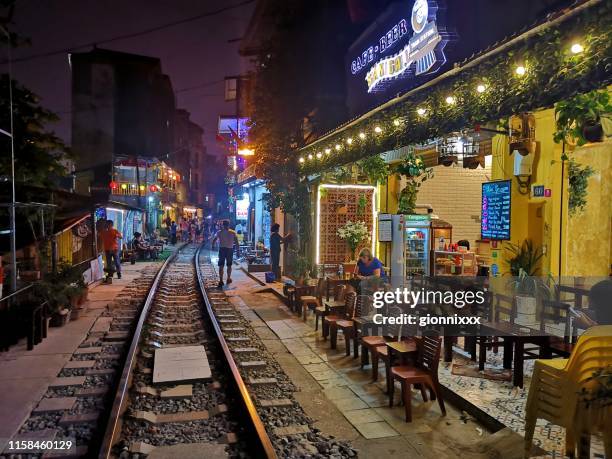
(231, 89)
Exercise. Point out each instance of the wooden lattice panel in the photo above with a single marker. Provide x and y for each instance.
(337, 206)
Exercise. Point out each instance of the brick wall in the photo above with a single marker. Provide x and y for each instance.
(455, 194)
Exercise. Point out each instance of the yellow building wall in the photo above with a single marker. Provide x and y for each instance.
(586, 238)
(387, 203)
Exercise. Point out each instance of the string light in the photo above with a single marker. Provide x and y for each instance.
(577, 48)
(481, 88)
(124, 186)
(338, 147)
(520, 70)
(349, 140)
(450, 100)
(301, 160)
(319, 154)
(377, 129)
(142, 187)
(362, 135)
(421, 111)
(396, 122)
(327, 151)
(310, 156)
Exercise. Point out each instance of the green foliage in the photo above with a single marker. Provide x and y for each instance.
(574, 114)
(59, 287)
(524, 258)
(553, 74)
(299, 265)
(341, 174)
(361, 205)
(38, 152)
(578, 184)
(375, 169)
(415, 171)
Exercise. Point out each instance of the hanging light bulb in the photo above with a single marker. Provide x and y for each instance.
(421, 111)
(362, 135)
(319, 155)
(310, 156)
(349, 140)
(450, 100)
(481, 88)
(338, 147)
(301, 160)
(377, 129)
(520, 70)
(577, 48)
(396, 122)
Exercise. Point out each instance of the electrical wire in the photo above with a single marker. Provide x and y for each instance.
(131, 35)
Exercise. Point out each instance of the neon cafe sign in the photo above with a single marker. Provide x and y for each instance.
(423, 54)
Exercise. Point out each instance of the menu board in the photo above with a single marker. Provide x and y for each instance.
(385, 228)
(495, 221)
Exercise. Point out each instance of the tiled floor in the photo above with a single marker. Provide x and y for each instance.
(365, 405)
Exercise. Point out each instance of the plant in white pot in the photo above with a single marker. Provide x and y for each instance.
(525, 283)
(354, 234)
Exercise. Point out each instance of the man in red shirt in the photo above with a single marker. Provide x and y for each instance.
(110, 237)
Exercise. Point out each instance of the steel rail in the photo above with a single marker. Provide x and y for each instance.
(266, 447)
(113, 428)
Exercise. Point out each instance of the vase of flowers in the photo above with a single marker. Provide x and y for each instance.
(354, 234)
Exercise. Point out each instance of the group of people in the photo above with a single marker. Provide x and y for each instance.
(193, 230)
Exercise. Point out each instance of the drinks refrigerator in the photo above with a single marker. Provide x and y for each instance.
(414, 239)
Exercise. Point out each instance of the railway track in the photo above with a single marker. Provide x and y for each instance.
(174, 369)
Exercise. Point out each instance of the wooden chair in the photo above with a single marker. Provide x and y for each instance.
(329, 322)
(404, 348)
(558, 313)
(425, 373)
(506, 305)
(362, 322)
(313, 301)
(348, 325)
(322, 311)
(369, 343)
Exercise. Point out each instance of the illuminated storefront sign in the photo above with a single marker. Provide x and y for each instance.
(422, 54)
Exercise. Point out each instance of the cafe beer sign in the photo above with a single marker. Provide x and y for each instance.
(422, 52)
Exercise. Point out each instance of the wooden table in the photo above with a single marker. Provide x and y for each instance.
(515, 337)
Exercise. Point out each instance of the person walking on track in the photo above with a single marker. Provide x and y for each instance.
(227, 238)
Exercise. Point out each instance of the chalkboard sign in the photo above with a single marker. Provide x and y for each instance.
(385, 228)
(495, 221)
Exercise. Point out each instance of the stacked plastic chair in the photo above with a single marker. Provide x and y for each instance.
(556, 385)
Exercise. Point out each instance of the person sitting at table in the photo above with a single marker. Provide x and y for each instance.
(368, 265)
(142, 248)
(600, 308)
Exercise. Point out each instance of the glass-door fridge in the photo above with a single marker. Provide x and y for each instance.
(411, 247)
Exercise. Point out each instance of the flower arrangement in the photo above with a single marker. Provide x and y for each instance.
(354, 233)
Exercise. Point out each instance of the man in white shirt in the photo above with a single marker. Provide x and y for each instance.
(227, 238)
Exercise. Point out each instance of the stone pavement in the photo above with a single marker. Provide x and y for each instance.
(343, 401)
(26, 375)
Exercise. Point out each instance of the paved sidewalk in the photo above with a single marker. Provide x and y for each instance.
(25, 375)
(342, 400)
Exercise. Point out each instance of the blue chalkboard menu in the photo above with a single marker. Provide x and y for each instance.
(495, 221)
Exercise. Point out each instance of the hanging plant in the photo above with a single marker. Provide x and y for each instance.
(579, 118)
(415, 171)
(375, 169)
(361, 205)
(341, 174)
(578, 185)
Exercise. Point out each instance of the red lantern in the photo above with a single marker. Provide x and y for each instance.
(114, 185)
(153, 188)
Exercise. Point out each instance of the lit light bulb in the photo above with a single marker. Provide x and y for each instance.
(450, 100)
(421, 111)
(481, 88)
(327, 151)
(520, 70)
(361, 135)
(377, 129)
(310, 156)
(301, 160)
(577, 48)
(396, 122)
(338, 147)
(319, 155)
(349, 140)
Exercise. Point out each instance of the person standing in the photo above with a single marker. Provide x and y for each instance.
(227, 238)
(110, 241)
(275, 249)
(173, 230)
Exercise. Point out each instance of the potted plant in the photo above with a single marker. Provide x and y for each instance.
(56, 296)
(353, 233)
(525, 284)
(300, 267)
(413, 168)
(579, 119)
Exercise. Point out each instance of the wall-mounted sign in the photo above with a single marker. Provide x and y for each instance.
(537, 191)
(385, 228)
(496, 200)
(242, 208)
(412, 45)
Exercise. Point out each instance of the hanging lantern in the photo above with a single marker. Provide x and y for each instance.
(141, 187)
(124, 186)
(153, 188)
(113, 185)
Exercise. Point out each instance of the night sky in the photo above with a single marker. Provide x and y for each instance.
(193, 54)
